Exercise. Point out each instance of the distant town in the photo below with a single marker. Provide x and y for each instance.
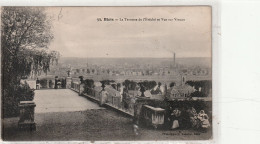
(119, 69)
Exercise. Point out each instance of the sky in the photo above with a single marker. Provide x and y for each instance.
(77, 33)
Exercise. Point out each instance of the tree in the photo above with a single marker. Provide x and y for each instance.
(159, 84)
(81, 78)
(172, 84)
(107, 82)
(142, 89)
(25, 37)
(114, 86)
(130, 85)
(126, 83)
(205, 86)
(104, 83)
(152, 84)
(133, 85)
(88, 85)
(118, 85)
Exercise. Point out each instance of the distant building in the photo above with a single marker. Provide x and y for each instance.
(139, 73)
(123, 73)
(180, 91)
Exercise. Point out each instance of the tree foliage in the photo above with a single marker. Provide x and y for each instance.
(148, 84)
(204, 86)
(172, 84)
(81, 78)
(25, 37)
(88, 86)
(89, 83)
(130, 84)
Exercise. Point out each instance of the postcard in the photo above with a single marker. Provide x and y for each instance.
(107, 73)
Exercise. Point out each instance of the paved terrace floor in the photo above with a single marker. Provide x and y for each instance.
(63, 115)
(61, 100)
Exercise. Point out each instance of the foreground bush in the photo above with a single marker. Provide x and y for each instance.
(10, 104)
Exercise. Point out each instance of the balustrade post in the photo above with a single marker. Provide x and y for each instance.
(68, 82)
(140, 101)
(26, 121)
(81, 89)
(103, 97)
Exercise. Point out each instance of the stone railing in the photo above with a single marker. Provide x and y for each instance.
(92, 93)
(124, 103)
(75, 86)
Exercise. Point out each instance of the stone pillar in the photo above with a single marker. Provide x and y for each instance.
(138, 107)
(81, 89)
(103, 97)
(47, 85)
(26, 121)
(55, 83)
(68, 82)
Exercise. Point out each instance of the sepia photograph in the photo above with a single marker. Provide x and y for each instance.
(106, 73)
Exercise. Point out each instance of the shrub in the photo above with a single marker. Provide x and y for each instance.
(172, 84)
(148, 84)
(11, 100)
(88, 85)
(43, 83)
(25, 92)
(63, 83)
(51, 83)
